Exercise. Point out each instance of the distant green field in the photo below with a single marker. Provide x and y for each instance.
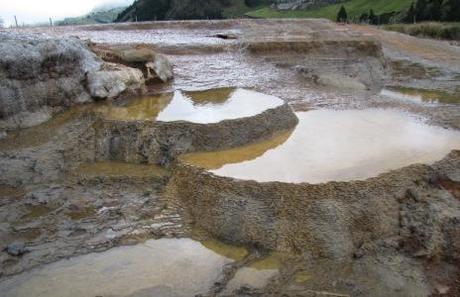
(238, 9)
(354, 9)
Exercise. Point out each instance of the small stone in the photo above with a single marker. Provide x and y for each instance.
(16, 249)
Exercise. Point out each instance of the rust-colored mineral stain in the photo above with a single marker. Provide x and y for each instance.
(8, 192)
(451, 186)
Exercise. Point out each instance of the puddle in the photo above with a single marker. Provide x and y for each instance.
(257, 275)
(228, 251)
(302, 276)
(421, 95)
(272, 262)
(37, 211)
(165, 267)
(145, 108)
(344, 145)
(116, 169)
(40, 134)
(81, 213)
(202, 107)
(250, 278)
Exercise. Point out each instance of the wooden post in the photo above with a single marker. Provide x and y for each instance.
(51, 22)
(16, 21)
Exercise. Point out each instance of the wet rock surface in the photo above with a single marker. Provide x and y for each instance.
(39, 74)
(391, 235)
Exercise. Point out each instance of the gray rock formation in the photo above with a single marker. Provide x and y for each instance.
(141, 56)
(114, 79)
(40, 75)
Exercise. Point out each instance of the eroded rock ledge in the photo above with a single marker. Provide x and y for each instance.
(161, 142)
(406, 208)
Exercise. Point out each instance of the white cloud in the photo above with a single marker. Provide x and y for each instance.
(32, 11)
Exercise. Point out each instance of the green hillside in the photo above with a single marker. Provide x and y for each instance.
(354, 9)
(238, 8)
(96, 17)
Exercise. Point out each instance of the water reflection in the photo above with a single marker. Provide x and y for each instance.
(165, 267)
(345, 145)
(210, 106)
(215, 160)
(421, 95)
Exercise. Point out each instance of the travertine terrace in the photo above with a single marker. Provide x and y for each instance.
(105, 159)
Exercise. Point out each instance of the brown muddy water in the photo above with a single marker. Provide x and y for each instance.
(421, 95)
(210, 106)
(164, 267)
(330, 145)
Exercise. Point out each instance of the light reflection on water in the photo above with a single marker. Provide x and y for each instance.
(165, 267)
(210, 106)
(332, 145)
(421, 95)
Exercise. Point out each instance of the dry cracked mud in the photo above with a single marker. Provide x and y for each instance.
(341, 179)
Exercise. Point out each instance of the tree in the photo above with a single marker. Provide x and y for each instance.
(373, 19)
(450, 10)
(434, 10)
(342, 16)
(410, 15)
(421, 9)
(364, 18)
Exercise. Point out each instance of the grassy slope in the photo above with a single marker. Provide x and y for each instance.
(238, 9)
(449, 31)
(353, 7)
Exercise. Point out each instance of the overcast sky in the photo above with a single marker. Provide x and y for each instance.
(32, 11)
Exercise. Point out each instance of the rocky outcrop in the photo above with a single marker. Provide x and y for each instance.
(41, 75)
(335, 220)
(114, 79)
(152, 64)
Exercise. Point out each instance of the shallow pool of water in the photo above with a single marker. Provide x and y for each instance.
(210, 106)
(421, 95)
(165, 267)
(332, 145)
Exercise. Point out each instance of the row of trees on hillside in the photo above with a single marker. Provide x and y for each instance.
(422, 10)
(146, 10)
(433, 10)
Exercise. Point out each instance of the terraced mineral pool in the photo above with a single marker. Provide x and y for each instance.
(164, 267)
(210, 106)
(421, 95)
(332, 145)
